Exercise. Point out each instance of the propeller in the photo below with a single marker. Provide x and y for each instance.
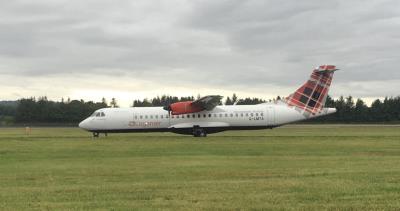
(168, 107)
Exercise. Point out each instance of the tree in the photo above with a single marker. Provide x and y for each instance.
(104, 101)
(113, 103)
(360, 111)
(330, 102)
(234, 98)
(228, 101)
(250, 101)
(377, 111)
(26, 110)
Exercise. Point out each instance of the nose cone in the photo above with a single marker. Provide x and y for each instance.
(83, 124)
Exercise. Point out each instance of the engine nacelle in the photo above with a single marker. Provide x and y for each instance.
(183, 108)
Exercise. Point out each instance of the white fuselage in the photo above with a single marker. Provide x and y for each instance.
(148, 119)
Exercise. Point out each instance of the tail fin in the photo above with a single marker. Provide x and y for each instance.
(310, 98)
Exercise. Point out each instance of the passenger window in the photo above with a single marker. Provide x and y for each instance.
(194, 115)
(177, 116)
(188, 116)
(231, 115)
(183, 116)
(146, 117)
(226, 115)
(215, 115)
(247, 114)
(241, 114)
(161, 116)
(204, 115)
(102, 114)
(209, 115)
(262, 114)
(156, 116)
(199, 116)
(220, 115)
(256, 114)
(151, 116)
(135, 117)
(98, 114)
(251, 114)
(141, 117)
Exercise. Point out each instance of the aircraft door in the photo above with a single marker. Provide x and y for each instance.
(270, 117)
(169, 120)
(134, 119)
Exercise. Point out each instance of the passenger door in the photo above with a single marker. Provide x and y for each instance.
(270, 115)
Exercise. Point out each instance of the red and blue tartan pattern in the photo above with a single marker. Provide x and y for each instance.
(310, 98)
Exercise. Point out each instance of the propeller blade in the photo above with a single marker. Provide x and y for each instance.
(167, 108)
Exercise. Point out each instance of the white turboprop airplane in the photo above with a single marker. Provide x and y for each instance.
(204, 116)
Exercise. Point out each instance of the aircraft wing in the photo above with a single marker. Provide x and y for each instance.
(208, 102)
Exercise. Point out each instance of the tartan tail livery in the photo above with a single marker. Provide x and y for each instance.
(310, 98)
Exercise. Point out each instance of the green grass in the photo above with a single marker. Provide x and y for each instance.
(290, 168)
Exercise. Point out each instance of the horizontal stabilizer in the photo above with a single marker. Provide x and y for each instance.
(326, 68)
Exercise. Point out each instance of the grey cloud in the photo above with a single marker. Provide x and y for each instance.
(309, 31)
(205, 43)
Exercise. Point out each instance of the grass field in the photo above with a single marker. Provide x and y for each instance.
(290, 168)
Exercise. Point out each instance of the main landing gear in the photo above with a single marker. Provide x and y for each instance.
(199, 132)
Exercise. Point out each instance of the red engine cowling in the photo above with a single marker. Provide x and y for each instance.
(183, 108)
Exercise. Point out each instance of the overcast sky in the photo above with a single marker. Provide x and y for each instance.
(132, 49)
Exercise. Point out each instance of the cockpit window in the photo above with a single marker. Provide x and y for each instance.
(98, 114)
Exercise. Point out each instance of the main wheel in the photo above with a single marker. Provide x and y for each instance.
(203, 133)
(199, 132)
(196, 133)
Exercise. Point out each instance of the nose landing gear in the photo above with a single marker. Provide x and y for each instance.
(97, 134)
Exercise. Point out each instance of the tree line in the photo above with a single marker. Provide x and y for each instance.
(44, 111)
(167, 100)
(350, 110)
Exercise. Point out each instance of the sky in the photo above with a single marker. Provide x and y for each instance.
(143, 48)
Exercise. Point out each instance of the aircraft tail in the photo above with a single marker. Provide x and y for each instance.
(310, 98)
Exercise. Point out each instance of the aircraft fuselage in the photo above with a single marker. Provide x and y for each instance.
(221, 118)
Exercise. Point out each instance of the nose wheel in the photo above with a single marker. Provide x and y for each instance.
(97, 134)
